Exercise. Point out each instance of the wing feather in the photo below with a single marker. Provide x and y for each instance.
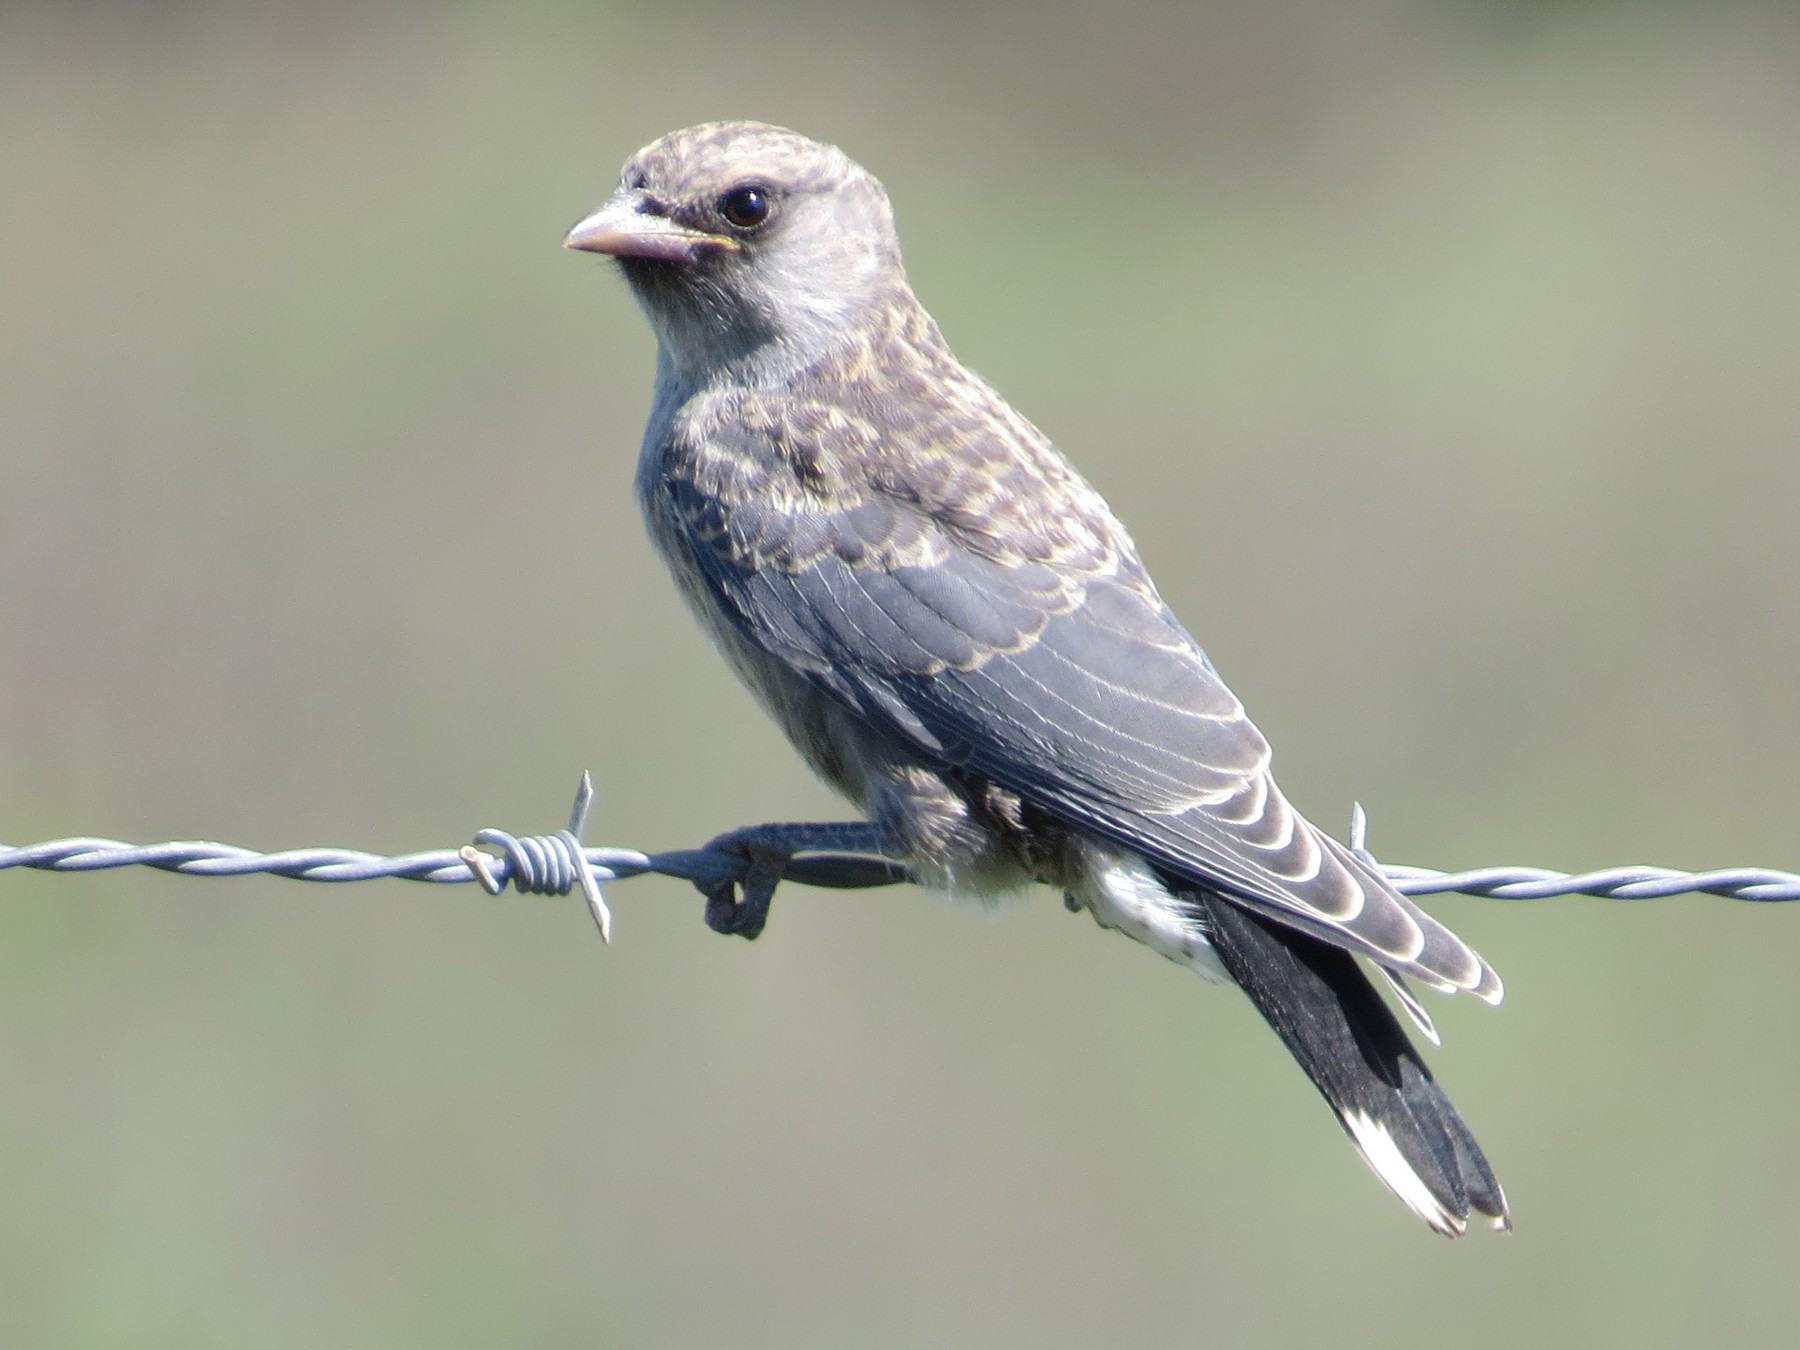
(1065, 680)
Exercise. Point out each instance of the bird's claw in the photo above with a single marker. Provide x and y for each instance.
(741, 905)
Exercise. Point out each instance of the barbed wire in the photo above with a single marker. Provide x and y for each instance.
(1631, 882)
(557, 864)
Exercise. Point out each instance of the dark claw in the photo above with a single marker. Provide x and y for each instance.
(726, 914)
(742, 907)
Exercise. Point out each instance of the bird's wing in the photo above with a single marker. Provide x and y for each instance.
(1062, 678)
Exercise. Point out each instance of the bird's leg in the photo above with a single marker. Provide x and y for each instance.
(742, 907)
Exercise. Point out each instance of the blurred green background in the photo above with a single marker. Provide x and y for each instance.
(1443, 357)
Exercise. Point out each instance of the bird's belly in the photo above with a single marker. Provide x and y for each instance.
(809, 718)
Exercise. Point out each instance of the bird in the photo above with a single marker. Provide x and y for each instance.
(958, 635)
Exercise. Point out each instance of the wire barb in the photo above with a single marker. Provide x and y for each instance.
(545, 864)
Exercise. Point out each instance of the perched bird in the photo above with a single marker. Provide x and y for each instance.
(957, 634)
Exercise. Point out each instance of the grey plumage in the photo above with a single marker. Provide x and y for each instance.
(956, 633)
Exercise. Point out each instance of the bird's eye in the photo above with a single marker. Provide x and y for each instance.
(745, 207)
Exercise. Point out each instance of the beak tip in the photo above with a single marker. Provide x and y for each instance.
(582, 238)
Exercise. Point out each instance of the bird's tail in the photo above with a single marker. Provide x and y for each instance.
(1334, 1022)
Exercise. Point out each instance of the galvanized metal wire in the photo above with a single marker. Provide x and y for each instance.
(559, 863)
(1631, 882)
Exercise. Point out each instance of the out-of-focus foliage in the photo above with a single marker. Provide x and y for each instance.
(1443, 357)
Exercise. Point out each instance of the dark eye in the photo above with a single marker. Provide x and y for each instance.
(745, 207)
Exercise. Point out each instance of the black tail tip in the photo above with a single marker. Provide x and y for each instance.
(1444, 1201)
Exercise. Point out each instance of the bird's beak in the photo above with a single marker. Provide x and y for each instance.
(626, 228)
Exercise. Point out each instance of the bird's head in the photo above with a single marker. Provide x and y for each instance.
(748, 246)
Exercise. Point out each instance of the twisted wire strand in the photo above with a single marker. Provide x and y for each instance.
(559, 863)
(841, 871)
(1609, 883)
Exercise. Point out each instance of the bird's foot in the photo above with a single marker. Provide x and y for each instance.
(740, 905)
